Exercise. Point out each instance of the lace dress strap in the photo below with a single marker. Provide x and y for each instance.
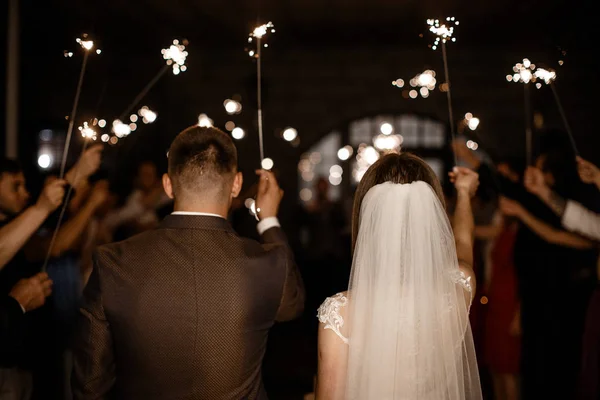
(329, 314)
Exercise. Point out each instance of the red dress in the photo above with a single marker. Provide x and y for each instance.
(502, 350)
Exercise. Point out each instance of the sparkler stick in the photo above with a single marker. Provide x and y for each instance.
(89, 136)
(258, 33)
(87, 45)
(549, 76)
(443, 33)
(175, 57)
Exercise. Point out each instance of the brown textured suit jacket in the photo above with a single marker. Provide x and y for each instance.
(183, 312)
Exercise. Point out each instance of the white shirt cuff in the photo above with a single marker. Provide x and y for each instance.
(572, 215)
(266, 224)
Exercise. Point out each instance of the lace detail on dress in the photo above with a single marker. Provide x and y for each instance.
(329, 314)
(458, 276)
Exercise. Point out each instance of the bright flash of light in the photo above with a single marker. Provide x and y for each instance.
(267, 164)
(68, 54)
(413, 94)
(105, 137)
(290, 134)
(133, 118)
(345, 152)
(148, 116)
(102, 123)
(176, 56)
(87, 132)
(204, 121)
(120, 129)
(443, 31)
(548, 76)
(238, 133)
(232, 106)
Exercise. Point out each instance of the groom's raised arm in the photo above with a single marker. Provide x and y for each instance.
(267, 202)
(292, 298)
(93, 358)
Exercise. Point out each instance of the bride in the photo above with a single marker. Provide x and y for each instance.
(401, 331)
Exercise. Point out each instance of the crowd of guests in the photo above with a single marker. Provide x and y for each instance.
(535, 319)
(537, 253)
(37, 260)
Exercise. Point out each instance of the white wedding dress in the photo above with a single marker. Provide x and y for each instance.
(407, 306)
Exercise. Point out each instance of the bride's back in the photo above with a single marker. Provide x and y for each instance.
(407, 308)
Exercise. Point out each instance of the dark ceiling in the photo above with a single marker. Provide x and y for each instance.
(330, 61)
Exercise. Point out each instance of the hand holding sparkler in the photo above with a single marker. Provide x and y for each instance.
(588, 172)
(52, 196)
(268, 196)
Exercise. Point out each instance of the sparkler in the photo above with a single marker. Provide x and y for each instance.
(89, 136)
(148, 116)
(175, 57)
(549, 76)
(443, 33)
(87, 46)
(524, 73)
(257, 35)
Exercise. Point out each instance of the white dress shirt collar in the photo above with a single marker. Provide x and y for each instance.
(201, 214)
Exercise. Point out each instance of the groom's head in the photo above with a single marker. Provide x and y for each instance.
(202, 169)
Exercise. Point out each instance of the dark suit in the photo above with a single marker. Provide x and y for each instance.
(183, 312)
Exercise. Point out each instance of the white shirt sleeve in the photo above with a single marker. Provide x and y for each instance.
(579, 219)
(266, 224)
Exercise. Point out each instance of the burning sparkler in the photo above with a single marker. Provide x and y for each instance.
(87, 132)
(524, 73)
(257, 35)
(176, 56)
(444, 32)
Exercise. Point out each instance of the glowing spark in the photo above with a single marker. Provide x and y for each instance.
(105, 138)
(259, 32)
(345, 152)
(102, 123)
(120, 129)
(68, 54)
(148, 116)
(443, 32)
(176, 56)
(398, 83)
(86, 44)
(548, 76)
(424, 80)
(238, 133)
(267, 164)
(232, 106)
(290, 134)
(87, 132)
(204, 121)
(523, 72)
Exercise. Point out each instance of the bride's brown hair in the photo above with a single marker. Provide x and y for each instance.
(395, 168)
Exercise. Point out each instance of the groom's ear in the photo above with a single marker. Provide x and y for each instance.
(238, 181)
(168, 185)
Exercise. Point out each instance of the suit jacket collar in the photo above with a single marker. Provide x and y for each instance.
(196, 222)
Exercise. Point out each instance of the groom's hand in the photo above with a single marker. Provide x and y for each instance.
(269, 195)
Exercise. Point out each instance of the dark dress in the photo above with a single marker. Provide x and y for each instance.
(502, 350)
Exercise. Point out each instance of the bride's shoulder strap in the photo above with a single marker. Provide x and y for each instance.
(329, 314)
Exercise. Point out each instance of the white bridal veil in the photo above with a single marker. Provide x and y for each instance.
(410, 337)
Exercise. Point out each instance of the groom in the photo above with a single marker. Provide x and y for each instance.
(184, 311)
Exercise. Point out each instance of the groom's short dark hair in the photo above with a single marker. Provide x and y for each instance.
(202, 160)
